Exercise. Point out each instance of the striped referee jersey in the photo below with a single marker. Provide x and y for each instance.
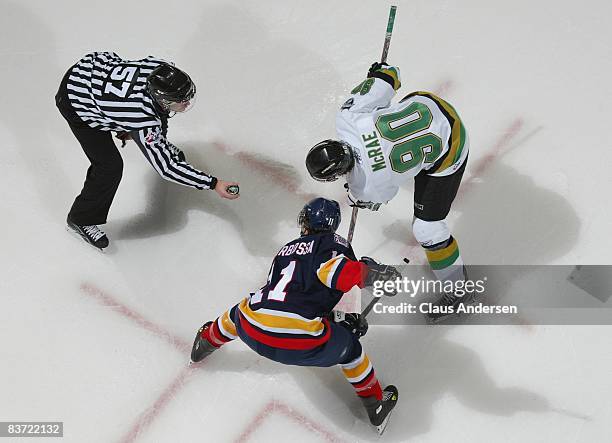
(110, 94)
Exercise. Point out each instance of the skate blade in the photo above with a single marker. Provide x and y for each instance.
(80, 237)
(195, 364)
(381, 427)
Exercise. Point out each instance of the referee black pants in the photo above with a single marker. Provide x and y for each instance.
(104, 174)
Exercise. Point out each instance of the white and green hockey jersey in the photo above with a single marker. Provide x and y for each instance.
(394, 142)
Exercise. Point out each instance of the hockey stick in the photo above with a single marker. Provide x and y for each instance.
(390, 24)
(383, 59)
(349, 237)
(369, 307)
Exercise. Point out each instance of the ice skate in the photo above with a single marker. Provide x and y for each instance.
(380, 410)
(90, 233)
(201, 347)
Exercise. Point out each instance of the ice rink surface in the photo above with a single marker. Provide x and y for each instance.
(101, 341)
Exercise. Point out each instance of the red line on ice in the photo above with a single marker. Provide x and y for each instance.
(151, 413)
(256, 422)
(265, 170)
(444, 87)
(276, 406)
(307, 423)
(107, 300)
(147, 417)
(500, 145)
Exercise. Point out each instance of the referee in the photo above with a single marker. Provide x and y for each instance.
(103, 93)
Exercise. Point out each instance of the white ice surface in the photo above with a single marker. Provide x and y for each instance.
(81, 333)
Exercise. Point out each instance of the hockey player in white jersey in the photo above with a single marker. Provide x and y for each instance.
(382, 145)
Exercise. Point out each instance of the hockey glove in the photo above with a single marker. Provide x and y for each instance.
(352, 322)
(124, 137)
(363, 205)
(383, 71)
(380, 272)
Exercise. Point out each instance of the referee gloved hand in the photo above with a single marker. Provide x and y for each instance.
(124, 136)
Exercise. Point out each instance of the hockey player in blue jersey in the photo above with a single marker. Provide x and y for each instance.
(287, 319)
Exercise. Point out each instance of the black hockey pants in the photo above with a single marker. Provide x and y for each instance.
(104, 174)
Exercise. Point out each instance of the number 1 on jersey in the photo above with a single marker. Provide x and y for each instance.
(278, 292)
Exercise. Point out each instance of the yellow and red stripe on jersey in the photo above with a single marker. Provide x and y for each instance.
(284, 330)
(342, 273)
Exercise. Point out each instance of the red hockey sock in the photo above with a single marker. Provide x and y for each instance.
(372, 389)
(214, 335)
(361, 375)
(206, 335)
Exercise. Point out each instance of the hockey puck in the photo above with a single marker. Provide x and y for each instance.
(233, 189)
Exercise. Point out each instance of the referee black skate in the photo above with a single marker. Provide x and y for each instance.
(103, 93)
